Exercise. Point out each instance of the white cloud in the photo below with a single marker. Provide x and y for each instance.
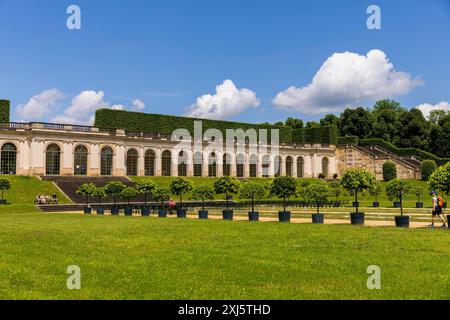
(426, 108)
(118, 107)
(227, 102)
(39, 105)
(138, 105)
(347, 79)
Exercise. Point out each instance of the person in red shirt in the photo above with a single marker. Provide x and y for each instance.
(172, 206)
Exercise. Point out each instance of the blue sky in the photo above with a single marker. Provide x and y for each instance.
(166, 54)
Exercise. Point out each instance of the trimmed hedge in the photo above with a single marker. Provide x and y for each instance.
(4, 110)
(349, 140)
(164, 124)
(389, 171)
(427, 168)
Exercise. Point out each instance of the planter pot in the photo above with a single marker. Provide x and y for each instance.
(355, 204)
(419, 205)
(402, 221)
(181, 213)
(2, 202)
(162, 213)
(284, 216)
(128, 211)
(87, 210)
(337, 204)
(397, 204)
(203, 214)
(145, 211)
(357, 218)
(100, 211)
(448, 222)
(376, 204)
(227, 214)
(253, 216)
(318, 218)
(115, 211)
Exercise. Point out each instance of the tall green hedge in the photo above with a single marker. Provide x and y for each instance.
(163, 124)
(4, 110)
(349, 140)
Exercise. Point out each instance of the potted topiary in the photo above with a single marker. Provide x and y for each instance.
(283, 187)
(440, 181)
(161, 194)
(398, 188)
(87, 190)
(114, 190)
(203, 192)
(418, 191)
(228, 186)
(127, 194)
(389, 171)
(252, 191)
(100, 194)
(178, 187)
(317, 193)
(145, 187)
(5, 184)
(375, 190)
(337, 191)
(356, 180)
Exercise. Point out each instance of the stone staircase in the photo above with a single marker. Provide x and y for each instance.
(382, 153)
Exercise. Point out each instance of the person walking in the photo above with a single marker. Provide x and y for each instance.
(438, 206)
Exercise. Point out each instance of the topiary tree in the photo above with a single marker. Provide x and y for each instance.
(227, 186)
(203, 192)
(427, 168)
(179, 186)
(418, 191)
(99, 194)
(336, 188)
(161, 194)
(357, 180)
(376, 189)
(283, 187)
(146, 187)
(252, 191)
(389, 171)
(317, 193)
(398, 188)
(114, 190)
(88, 190)
(5, 184)
(128, 193)
(440, 179)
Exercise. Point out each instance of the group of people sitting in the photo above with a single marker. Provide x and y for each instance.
(46, 199)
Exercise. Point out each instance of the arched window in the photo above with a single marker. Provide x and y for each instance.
(149, 163)
(8, 160)
(212, 165)
(106, 161)
(182, 167)
(132, 162)
(253, 166)
(240, 166)
(266, 166)
(166, 164)
(226, 167)
(325, 164)
(80, 160)
(198, 164)
(289, 162)
(277, 164)
(300, 167)
(53, 160)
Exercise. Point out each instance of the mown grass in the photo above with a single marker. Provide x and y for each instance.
(151, 258)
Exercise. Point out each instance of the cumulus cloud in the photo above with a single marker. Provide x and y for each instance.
(227, 102)
(138, 105)
(426, 108)
(347, 79)
(40, 105)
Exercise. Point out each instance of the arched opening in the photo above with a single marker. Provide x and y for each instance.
(106, 161)
(166, 164)
(277, 164)
(289, 162)
(198, 164)
(226, 166)
(149, 163)
(8, 161)
(182, 167)
(53, 160)
(240, 171)
(266, 166)
(325, 165)
(300, 167)
(132, 162)
(253, 166)
(80, 160)
(212, 165)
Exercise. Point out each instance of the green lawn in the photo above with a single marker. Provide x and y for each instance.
(151, 258)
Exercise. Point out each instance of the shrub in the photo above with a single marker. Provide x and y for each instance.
(440, 179)
(99, 194)
(353, 140)
(418, 191)
(357, 180)
(283, 187)
(180, 185)
(4, 111)
(227, 186)
(317, 193)
(161, 194)
(252, 190)
(427, 168)
(114, 190)
(88, 190)
(398, 188)
(389, 171)
(5, 184)
(128, 193)
(146, 187)
(203, 192)
(376, 189)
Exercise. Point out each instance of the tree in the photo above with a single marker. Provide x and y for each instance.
(227, 186)
(418, 191)
(330, 120)
(317, 193)
(88, 190)
(386, 114)
(180, 185)
(427, 168)
(389, 171)
(5, 184)
(398, 188)
(312, 124)
(203, 192)
(99, 194)
(357, 180)
(146, 187)
(376, 189)
(336, 188)
(412, 130)
(356, 122)
(114, 190)
(294, 123)
(252, 191)
(440, 179)
(283, 187)
(128, 193)
(161, 194)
